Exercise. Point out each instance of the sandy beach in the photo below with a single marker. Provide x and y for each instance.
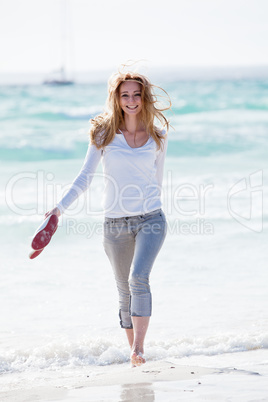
(107, 383)
(154, 381)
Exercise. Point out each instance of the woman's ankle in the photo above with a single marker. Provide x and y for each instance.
(137, 349)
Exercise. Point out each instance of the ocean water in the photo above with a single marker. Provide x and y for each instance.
(209, 283)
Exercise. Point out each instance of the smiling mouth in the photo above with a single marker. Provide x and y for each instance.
(132, 107)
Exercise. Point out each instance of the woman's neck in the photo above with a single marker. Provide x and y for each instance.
(132, 124)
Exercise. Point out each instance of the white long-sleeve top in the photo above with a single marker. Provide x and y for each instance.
(132, 177)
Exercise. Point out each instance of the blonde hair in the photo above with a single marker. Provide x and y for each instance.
(105, 125)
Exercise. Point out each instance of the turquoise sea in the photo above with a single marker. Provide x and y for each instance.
(209, 284)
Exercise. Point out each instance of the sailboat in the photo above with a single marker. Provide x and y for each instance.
(58, 77)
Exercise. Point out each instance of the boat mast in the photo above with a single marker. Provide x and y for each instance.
(65, 47)
(64, 39)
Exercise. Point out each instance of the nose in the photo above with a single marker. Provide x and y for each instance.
(131, 99)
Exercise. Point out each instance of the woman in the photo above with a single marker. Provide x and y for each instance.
(132, 150)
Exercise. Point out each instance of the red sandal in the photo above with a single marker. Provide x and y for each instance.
(35, 253)
(44, 233)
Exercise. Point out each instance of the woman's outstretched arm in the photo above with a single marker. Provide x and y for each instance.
(81, 182)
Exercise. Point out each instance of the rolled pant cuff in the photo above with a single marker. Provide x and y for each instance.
(141, 305)
(125, 319)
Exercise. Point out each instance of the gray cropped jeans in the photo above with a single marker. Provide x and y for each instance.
(132, 244)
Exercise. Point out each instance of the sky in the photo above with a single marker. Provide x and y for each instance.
(101, 34)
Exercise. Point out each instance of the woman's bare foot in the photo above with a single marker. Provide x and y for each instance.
(137, 359)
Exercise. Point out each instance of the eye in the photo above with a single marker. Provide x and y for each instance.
(139, 95)
(124, 96)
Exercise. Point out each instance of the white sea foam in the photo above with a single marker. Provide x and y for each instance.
(100, 351)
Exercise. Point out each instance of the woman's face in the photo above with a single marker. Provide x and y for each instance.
(130, 97)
